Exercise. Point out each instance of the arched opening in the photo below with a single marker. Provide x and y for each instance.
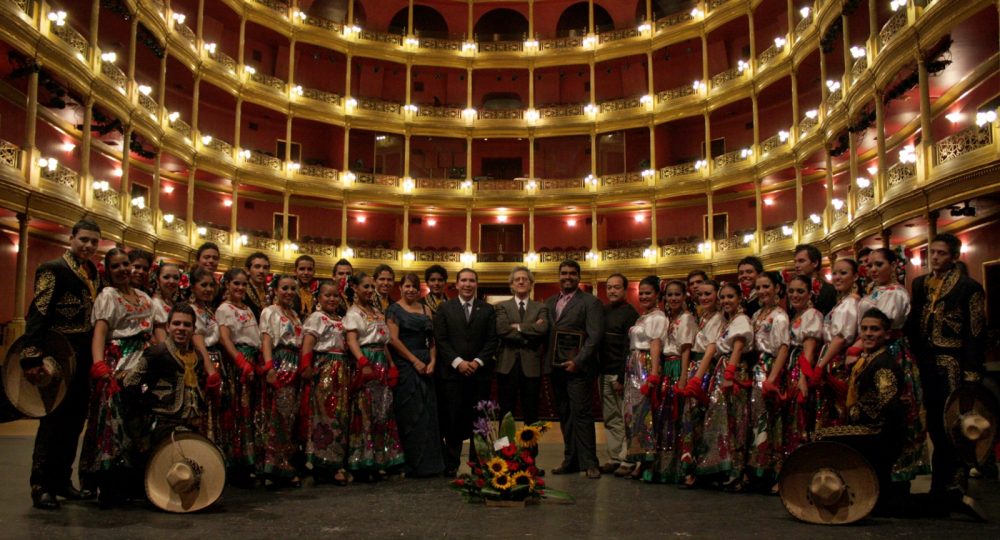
(662, 8)
(501, 24)
(575, 20)
(427, 22)
(331, 10)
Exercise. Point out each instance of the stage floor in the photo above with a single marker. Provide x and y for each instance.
(427, 508)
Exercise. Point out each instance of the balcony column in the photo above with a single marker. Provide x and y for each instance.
(21, 278)
(824, 92)
(593, 151)
(593, 86)
(236, 129)
(233, 231)
(189, 209)
(406, 153)
(95, 17)
(590, 16)
(133, 85)
(753, 45)
(846, 79)
(706, 171)
(200, 23)
(756, 123)
(85, 192)
(883, 164)
(828, 211)
(852, 168)
(406, 226)
(124, 199)
(409, 18)
(31, 153)
(926, 133)
(791, 9)
(704, 57)
(649, 14)
(873, 44)
(195, 100)
(593, 227)
(793, 135)
(347, 79)
(652, 148)
(347, 149)
(470, 22)
(161, 90)
(343, 221)
(291, 67)
(409, 82)
(154, 193)
(800, 211)
(710, 228)
(468, 228)
(468, 87)
(650, 87)
(531, 155)
(240, 56)
(286, 199)
(531, 19)
(654, 243)
(531, 86)
(350, 12)
(468, 158)
(759, 216)
(288, 139)
(531, 228)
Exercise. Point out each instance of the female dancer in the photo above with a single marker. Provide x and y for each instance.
(695, 382)
(642, 378)
(122, 324)
(807, 335)
(326, 379)
(168, 279)
(891, 298)
(725, 432)
(771, 340)
(239, 337)
(412, 338)
(840, 328)
(205, 340)
(280, 336)
(682, 328)
(374, 441)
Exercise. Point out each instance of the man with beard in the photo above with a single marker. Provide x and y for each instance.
(258, 266)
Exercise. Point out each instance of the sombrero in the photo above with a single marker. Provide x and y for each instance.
(828, 483)
(970, 418)
(37, 399)
(185, 473)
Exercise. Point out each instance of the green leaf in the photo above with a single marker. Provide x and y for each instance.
(483, 449)
(520, 489)
(558, 496)
(508, 427)
(489, 491)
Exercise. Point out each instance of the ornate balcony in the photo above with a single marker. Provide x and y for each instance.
(806, 125)
(865, 197)
(803, 25)
(381, 37)
(178, 226)
(264, 160)
(224, 60)
(676, 250)
(561, 111)
(561, 183)
(268, 80)
(109, 197)
(726, 78)
(317, 250)
(185, 32)
(498, 185)
(380, 254)
(501, 46)
(378, 105)
(325, 24)
(622, 104)
(62, 176)
(438, 183)
(434, 44)
(623, 254)
(618, 35)
(558, 256)
(325, 97)
(622, 179)
(181, 127)
(730, 244)
(451, 113)
(965, 141)
(150, 106)
(501, 114)
(214, 234)
(222, 147)
(277, 6)
(834, 98)
(892, 27)
(10, 154)
(574, 42)
(859, 67)
(260, 242)
(438, 256)
(730, 158)
(900, 173)
(682, 169)
(771, 143)
(142, 216)
(385, 180)
(115, 74)
(72, 38)
(675, 93)
(316, 171)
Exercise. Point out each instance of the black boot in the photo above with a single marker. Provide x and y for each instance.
(42, 499)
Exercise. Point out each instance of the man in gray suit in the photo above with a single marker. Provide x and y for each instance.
(575, 311)
(522, 325)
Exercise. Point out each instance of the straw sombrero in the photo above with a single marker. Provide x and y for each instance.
(56, 355)
(828, 483)
(185, 473)
(970, 418)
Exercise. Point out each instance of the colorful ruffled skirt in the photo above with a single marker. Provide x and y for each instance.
(666, 467)
(275, 418)
(692, 424)
(374, 440)
(725, 433)
(914, 459)
(640, 428)
(235, 428)
(798, 414)
(766, 452)
(831, 407)
(327, 426)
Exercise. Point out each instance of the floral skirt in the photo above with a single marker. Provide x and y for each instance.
(111, 425)
(234, 431)
(275, 418)
(692, 423)
(724, 435)
(328, 407)
(797, 415)
(914, 460)
(640, 428)
(830, 408)
(666, 467)
(374, 440)
(766, 423)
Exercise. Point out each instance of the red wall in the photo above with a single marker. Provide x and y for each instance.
(683, 221)
(681, 69)
(553, 232)
(448, 85)
(448, 233)
(562, 157)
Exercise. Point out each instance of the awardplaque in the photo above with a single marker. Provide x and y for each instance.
(567, 345)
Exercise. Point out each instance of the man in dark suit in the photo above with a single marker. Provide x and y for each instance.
(808, 261)
(465, 331)
(523, 325)
(65, 290)
(573, 378)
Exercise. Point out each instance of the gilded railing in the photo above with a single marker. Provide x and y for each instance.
(900, 173)
(181, 127)
(501, 46)
(561, 111)
(673, 250)
(317, 171)
(675, 93)
(561, 183)
(622, 254)
(560, 256)
(109, 197)
(259, 242)
(63, 176)
(439, 112)
(319, 250)
(71, 37)
(379, 254)
(840, 214)
(865, 196)
(326, 24)
(834, 98)
(268, 80)
(622, 104)
(730, 244)
(812, 226)
(386, 180)
(771, 143)
(721, 80)
(963, 142)
(150, 105)
(677, 170)
(621, 179)
(501, 114)
(775, 234)
(221, 146)
(729, 158)
(224, 60)
(440, 44)
(859, 67)
(892, 27)
(115, 74)
(803, 25)
(280, 8)
(498, 185)
(10, 154)
(24, 5)
(319, 95)
(143, 216)
(381, 37)
(438, 183)
(715, 4)
(438, 256)
(769, 54)
(178, 225)
(561, 43)
(617, 35)
(219, 236)
(806, 125)
(378, 105)
(673, 20)
(186, 33)
(264, 160)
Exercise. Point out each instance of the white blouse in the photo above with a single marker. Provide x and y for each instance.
(284, 331)
(739, 327)
(329, 332)
(371, 330)
(681, 331)
(206, 325)
(124, 318)
(808, 325)
(770, 330)
(708, 331)
(648, 327)
(842, 321)
(893, 300)
(242, 325)
(161, 311)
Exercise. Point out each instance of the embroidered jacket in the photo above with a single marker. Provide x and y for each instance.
(65, 290)
(948, 319)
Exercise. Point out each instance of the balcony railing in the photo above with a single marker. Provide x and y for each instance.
(181, 127)
(381, 37)
(178, 226)
(268, 80)
(859, 67)
(773, 235)
(573, 42)
(325, 24)
(840, 215)
(427, 111)
(317, 250)
(673, 20)
(115, 74)
(435, 44)
(676, 250)
(498, 185)
(10, 154)
(892, 27)
(622, 104)
(803, 25)
(561, 111)
(438, 183)
(726, 78)
(900, 173)
(381, 254)
(224, 60)
(557, 256)
(730, 158)
(71, 37)
(806, 125)
(385, 180)
(150, 105)
(677, 170)
(24, 5)
(965, 141)
(834, 98)
(216, 235)
(501, 46)
(438, 256)
(623, 254)
(772, 142)
(812, 226)
(621, 179)
(560, 183)
(378, 105)
(316, 171)
(501, 114)
(186, 33)
(769, 54)
(260, 242)
(222, 147)
(675, 93)
(618, 35)
(142, 216)
(865, 196)
(109, 197)
(325, 97)
(277, 6)
(63, 176)
(264, 160)
(730, 244)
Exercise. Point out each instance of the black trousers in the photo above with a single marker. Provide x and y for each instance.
(574, 395)
(59, 433)
(939, 378)
(515, 384)
(457, 399)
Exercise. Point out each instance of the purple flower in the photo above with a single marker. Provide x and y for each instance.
(487, 407)
(481, 427)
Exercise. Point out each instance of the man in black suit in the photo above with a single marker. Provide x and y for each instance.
(465, 331)
(572, 378)
(65, 290)
(808, 261)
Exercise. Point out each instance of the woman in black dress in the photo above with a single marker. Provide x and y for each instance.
(411, 334)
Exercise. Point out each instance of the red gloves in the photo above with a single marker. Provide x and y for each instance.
(245, 367)
(653, 380)
(730, 373)
(362, 361)
(305, 362)
(854, 351)
(771, 389)
(838, 386)
(694, 389)
(213, 385)
(805, 367)
(263, 369)
(100, 370)
(393, 378)
(816, 377)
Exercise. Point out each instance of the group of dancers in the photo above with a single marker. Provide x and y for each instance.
(709, 383)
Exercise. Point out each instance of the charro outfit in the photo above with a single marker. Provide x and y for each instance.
(237, 420)
(256, 299)
(65, 290)
(639, 398)
(724, 439)
(618, 318)
(304, 301)
(710, 327)
(771, 333)
(175, 381)
(681, 331)
(277, 404)
(328, 423)
(947, 328)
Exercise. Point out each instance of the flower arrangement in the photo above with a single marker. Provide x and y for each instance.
(506, 469)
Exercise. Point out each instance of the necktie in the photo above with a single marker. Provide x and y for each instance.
(563, 300)
(468, 311)
(520, 310)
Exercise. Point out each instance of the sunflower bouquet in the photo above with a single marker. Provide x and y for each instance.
(506, 469)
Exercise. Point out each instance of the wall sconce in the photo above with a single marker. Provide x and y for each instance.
(350, 104)
(411, 42)
(837, 204)
(298, 16)
(591, 256)
(768, 202)
(408, 184)
(742, 66)
(469, 47)
(410, 108)
(67, 146)
(297, 90)
(700, 164)
(202, 231)
(206, 140)
(815, 219)
(805, 12)
(873, 170)
(916, 261)
(58, 17)
(646, 100)
(347, 252)
(294, 166)
(168, 218)
(168, 189)
(469, 114)
(858, 52)
(908, 154)
(645, 28)
(431, 222)
(502, 218)
(409, 256)
(361, 219)
(245, 154)
(812, 114)
(703, 247)
(531, 185)
(589, 41)
(639, 218)
(109, 57)
(144, 89)
(48, 163)
(987, 117)
(139, 202)
(783, 136)
(210, 47)
(173, 116)
(530, 45)
(954, 117)
(649, 174)
(244, 240)
(780, 42)
(697, 14)
(590, 181)
(531, 257)
(228, 203)
(347, 178)
(747, 238)
(832, 85)
(698, 86)
(571, 222)
(468, 258)
(863, 182)
(745, 153)
(249, 70)
(590, 109)
(179, 18)
(101, 185)
(531, 115)
(896, 4)
(786, 230)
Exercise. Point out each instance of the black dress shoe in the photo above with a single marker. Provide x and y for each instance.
(44, 500)
(73, 494)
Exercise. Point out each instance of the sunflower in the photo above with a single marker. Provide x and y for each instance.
(528, 436)
(497, 466)
(523, 478)
(502, 482)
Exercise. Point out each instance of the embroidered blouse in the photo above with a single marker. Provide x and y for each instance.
(708, 331)
(842, 321)
(206, 325)
(371, 329)
(284, 331)
(242, 325)
(893, 300)
(125, 319)
(680, 331)
(770, 330)
(329, 332)
(808, 325)
(648, 327)
(739, 327)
